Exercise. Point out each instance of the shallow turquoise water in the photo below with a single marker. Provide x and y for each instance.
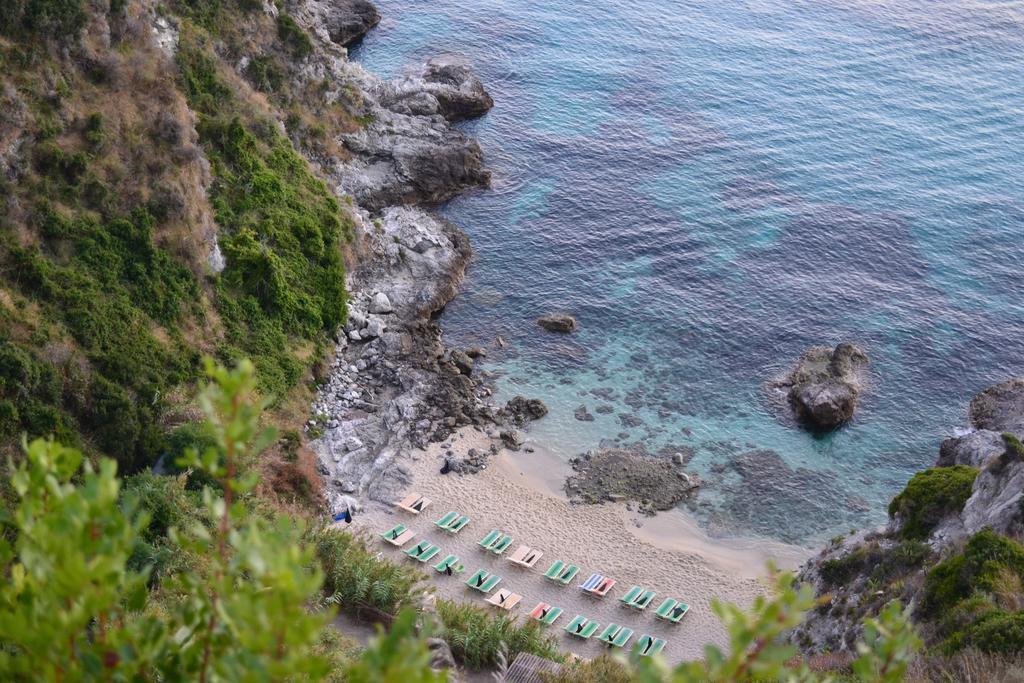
(711, 188)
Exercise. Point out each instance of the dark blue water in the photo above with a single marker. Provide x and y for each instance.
(711, 187)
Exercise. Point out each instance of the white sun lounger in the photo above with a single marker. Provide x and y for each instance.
(505, 599)
(525, 556)
(414, 503)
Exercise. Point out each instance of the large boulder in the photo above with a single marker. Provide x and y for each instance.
(444, 87)
(557, 322)
(825, 384)
(1000, 408)
(521, 410)
(346, 21)
(974, 449)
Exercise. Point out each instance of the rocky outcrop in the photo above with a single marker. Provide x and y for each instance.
(557, 322)
(392, 386)
(444, 87)
(974, 449)
(615, 474)
(825, 384)
(345, 21)
(1000, 408)
(850, 572)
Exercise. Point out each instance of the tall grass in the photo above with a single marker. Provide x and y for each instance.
(477, 636)
(359, 581)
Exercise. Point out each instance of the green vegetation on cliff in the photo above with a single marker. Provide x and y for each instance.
(107, 298)
(930, 496)
(977, 594)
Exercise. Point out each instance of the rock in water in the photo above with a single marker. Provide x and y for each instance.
(1000, 408)
(826, 403)
(557, 322)
(458, 90)
(521, 410)
(583, 415)
(825, 384)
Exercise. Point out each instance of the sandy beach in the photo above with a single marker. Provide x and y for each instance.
(519, 494)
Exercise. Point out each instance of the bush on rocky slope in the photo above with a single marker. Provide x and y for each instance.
(930, 496)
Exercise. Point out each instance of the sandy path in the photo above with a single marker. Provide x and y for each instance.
(518, 494)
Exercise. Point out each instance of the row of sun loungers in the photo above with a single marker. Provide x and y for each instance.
(497, 542)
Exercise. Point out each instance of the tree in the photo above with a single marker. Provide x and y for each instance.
(73, 610)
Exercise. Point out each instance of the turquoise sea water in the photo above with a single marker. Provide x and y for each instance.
(711, 187)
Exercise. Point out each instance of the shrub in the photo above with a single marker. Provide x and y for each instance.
(292, 35)
(930, 496)
(477, 636)
(360, 582)
(55, 19)
(265, 74)
(604, 668)
(980, 567)
(76, 609)
(998, 632)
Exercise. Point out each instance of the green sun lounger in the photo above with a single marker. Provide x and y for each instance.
(502, 545)
(394, 532)
(457, 525)
(551, 616)
(581, 627)
(568, 574)
(428, 554)
(447, 519)
(672, 611)
(665, 607)
(648, 646)
(483, 581)
(554, 570)
(608, 633)
(631, 595)
(622, 637)
(490, 539)
(643, 600)
(423, 551)
(450, 561)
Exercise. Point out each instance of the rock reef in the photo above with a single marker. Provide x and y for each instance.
(614, 474)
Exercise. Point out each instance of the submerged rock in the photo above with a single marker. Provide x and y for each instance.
(825, 384)
(557, 322)
(615, 474)
(583, 415)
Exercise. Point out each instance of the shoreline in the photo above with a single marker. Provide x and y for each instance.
(667, 553)
(399, 404)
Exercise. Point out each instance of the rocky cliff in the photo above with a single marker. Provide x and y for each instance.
(182, 179)
(951, 550)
